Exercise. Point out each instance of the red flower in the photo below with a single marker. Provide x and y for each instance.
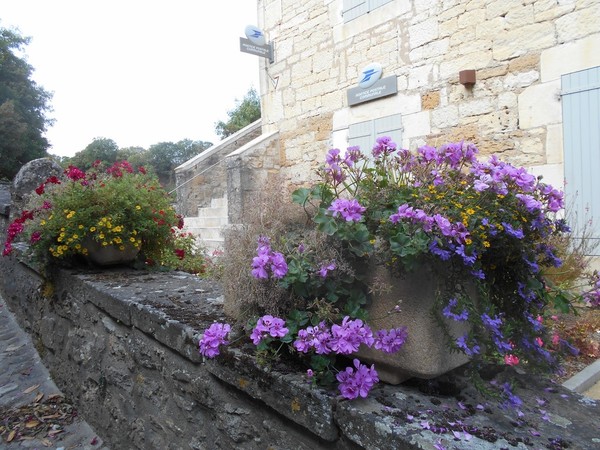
(511, 360)
(142, 170)
(74, 173)
(35, 236)
(53, 180)
(40, 189)
(180, 253)
(179, 221)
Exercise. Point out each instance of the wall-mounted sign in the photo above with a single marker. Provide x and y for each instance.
(380, 88)
(369, 75)
(255, 43)
(255, 35)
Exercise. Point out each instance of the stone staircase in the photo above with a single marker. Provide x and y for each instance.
(208, 225)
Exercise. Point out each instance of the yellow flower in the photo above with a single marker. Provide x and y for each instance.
(104, 244)
(486, 244)
(138, 207)
(470, 211)
(92, 229)
(468, 241)
(101, 235)
(42, 222)
(80, 227)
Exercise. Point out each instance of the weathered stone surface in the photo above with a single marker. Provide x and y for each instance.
(29, 177)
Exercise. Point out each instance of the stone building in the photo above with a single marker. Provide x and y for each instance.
(535, 99)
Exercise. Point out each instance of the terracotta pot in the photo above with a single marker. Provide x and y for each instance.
(425, 353)
(109, 255)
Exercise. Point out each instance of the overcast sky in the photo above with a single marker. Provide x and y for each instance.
(139, 72)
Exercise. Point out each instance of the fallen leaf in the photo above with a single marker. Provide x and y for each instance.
(32, 424)
(38, 397)
(53, 433)
(11, 436)
(31, 389)
(51, 416)
(53, 396)
(47, 442)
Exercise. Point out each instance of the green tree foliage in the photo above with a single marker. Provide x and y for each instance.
(164, 157)
(246, 112)
(101, 149)
(23, 108)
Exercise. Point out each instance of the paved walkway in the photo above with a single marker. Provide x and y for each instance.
(26, 383)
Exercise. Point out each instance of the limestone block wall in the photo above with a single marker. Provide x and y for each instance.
(519, 49)
(204, 177)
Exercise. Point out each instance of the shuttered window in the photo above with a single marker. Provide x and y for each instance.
(355, 8)
(581, 134)
(364, 134)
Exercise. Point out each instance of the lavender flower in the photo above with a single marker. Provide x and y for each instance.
(357, 381)
(350, 210)
(390, 341)
(212, 338)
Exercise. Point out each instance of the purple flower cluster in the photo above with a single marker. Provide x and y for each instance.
(335, 165)
(455, 231)
(326, 268)
(350, 210)
(212, 338)
(268, 326)
(346, 338)
(384, 146)
(268, 260)
(357, 381)
(447, 312)
(499, 177)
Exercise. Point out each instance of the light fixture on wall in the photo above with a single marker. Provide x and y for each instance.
(467, 77)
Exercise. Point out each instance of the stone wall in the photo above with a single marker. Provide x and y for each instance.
(123, 346)
(248, 170)
(518, 48)
(204, 177)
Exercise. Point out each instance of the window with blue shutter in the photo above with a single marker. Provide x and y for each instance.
(365, 133)
(581, 137)
(355, 8)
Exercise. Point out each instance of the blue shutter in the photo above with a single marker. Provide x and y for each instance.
(377, 3)
(362, 134)
(389, 126)
(354, 8)
(581, 130)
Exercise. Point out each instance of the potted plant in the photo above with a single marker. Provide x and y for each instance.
(465, 241)
(105, 216)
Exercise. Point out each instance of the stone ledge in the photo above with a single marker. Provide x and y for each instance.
(288, 394)
(145, 364)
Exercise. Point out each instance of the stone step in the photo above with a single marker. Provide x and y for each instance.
(218, 202)
(219, 211)
(204, 222)
(204, 233)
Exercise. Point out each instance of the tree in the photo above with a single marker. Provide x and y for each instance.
(246, 112)
(101, 149)
(164, 157)
(23, 108)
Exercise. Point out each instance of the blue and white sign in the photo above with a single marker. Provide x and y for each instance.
(369, 75)
(255, 35)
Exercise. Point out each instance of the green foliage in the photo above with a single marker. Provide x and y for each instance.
(246, 112)
(23, 108)
(118, 207)
(100, 150)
